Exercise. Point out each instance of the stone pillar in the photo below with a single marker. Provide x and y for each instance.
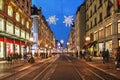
(115, 36)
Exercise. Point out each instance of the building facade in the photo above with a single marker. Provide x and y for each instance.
(103, 24)
(43, 37)
(15, 24)
(80, 27)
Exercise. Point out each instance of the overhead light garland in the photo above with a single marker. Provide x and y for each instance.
(52, 19)
(68, 20)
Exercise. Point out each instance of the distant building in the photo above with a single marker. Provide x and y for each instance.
(15, 25)
(80, 27)
(42, 34)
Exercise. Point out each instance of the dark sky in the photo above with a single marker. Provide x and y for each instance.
(59, 9)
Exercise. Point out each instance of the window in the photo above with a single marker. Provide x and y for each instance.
(118, 27)
(95, 21)
(17, 16)
(95, 8)
(100, 16)
(9, 28)
(22, 33)
(17, 31)
(23, 21)
(1, 24)
(27, 24)
(91, 13)
(27, 35)
(101, 34)
(100, 2)
(10, 11)
(91, 24)
(1, 4)
(108, 30)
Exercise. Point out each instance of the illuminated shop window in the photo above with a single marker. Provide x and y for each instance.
(9, 28)
(1, 4)
(17, 16)
(10, 11)
(1, 24)
(118, 27)
(22, 33)
(17, 31)
(27, 24)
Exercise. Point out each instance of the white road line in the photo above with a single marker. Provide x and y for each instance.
(35, 78)
(79, 73)
(96, 74)
(104, 71)
(27, 72)
(68, 59)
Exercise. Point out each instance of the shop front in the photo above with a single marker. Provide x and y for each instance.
(1, 48)
(108, 45)
(9, 47)
(17, 47)
(22, 48)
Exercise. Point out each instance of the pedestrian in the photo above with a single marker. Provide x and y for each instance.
(104, 56)
(107, 55)
(117, 60)
(25, 57)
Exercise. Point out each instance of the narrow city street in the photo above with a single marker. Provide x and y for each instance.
(60, 67)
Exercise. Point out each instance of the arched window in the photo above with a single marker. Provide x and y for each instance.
(23, 21)
(27, 24)
(17, 16)
(1, 4)
(10, 11)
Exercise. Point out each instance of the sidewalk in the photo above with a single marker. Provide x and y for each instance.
(5, 66)
(107, 67)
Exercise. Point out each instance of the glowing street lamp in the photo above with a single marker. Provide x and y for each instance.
(62, 41)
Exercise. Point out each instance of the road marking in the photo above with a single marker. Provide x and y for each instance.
(104, 71)
(96, 74)
(35, 78)
(68, 59)
(30, 71)
(81, 76)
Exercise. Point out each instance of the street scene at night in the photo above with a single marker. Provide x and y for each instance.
(59, 39)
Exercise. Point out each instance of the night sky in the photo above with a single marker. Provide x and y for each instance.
(59, 9)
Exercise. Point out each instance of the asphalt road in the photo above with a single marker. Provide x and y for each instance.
(61, 67)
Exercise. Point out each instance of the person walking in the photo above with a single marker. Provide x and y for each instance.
(107, 55)
(104, 56)
(117, 60)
